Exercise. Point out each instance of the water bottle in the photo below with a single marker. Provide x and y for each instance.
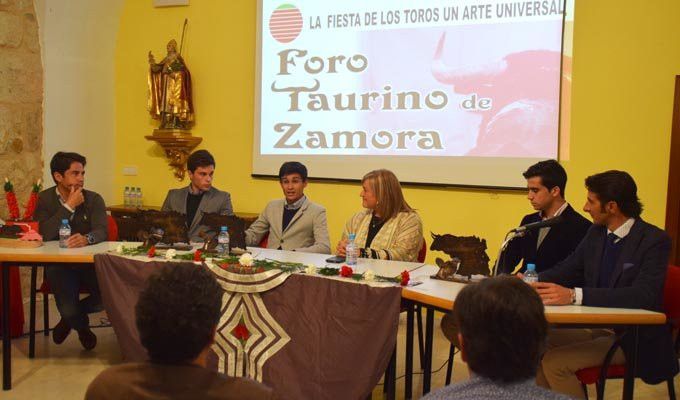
(223, 242)
(133, 197)
(530, 275)
(140, 198)
(64, 233)
(351, 251)
(126, 196)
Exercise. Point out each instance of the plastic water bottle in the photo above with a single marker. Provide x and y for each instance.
(140, 198)
(126, 196)
(64, 233)
(351, 251)
(530, 275)
(133, 197)
(223, 242)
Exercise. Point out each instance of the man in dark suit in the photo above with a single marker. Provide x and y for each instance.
(545, 247)
(86, 213)
(621, 263)
(200, 196)
(177, 316)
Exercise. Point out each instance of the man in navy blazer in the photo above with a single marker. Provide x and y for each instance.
(545, 247)
(621, 263)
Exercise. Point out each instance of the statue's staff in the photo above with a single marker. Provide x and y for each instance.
(181, 41)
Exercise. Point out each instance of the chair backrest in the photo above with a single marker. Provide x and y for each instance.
(671, 296)
(423, 252)
(113, 229)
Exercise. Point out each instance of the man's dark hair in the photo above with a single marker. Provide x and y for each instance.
(200, 158)
(551, 173)
(617, 186)
(62, 161)
(177, 312)
(293, 167)
(504, 329)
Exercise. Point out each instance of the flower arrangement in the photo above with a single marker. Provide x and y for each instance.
(247, 264)
(346, 271)
(13, 204)
(32, 201)
(11, 198)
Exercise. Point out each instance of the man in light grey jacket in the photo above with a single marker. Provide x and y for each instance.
(293, 223)
(200, 196)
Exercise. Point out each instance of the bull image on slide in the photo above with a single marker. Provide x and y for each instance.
(468, 255)
(524, 92)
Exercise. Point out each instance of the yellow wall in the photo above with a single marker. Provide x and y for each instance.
(626, 57)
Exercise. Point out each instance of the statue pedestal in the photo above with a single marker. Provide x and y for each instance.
(177, 144)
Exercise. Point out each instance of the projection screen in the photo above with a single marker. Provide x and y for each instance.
(454, 92)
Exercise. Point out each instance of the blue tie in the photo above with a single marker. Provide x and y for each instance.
(609, 257)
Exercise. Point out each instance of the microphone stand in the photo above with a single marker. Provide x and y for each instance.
(508, 238)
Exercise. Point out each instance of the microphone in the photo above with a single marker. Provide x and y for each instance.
(538, 225)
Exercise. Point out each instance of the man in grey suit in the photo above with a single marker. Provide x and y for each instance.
(200, 196)
(86, 214)
(620, 263)
(293, 223)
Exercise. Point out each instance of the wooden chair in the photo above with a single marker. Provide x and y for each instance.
(45, 290)
(599, 374)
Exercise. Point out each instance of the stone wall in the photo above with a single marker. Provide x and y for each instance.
(21, 98)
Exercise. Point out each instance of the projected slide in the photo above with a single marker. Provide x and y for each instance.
(455, 92)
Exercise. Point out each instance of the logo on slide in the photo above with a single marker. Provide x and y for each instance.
(285, 23)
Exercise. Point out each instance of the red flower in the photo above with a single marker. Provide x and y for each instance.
(405, 277)
(152, 252)
(346, 272)
(198, 256)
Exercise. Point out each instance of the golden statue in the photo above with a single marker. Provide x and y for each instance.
(170, 102)
(170, 90)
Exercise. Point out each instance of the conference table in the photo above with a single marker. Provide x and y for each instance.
(434, 295)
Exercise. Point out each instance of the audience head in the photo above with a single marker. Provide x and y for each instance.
(293, 180)
(177, 313)
(68, 170)
(502, 328)
(546, 182)
(201, 166)
(612, 193)
(381, 192)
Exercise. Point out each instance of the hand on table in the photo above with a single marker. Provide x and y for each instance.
(340, 250)
(553, 294)
(76, 240)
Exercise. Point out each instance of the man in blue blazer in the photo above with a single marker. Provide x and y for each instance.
(621, 263)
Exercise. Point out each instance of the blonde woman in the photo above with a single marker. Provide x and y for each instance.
(388, 228)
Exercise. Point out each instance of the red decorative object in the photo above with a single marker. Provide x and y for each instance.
(405, 277)
(241, 332)
(32, 201)
(198, 256)
(12, 204)
(152, 252)
(346, 272)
